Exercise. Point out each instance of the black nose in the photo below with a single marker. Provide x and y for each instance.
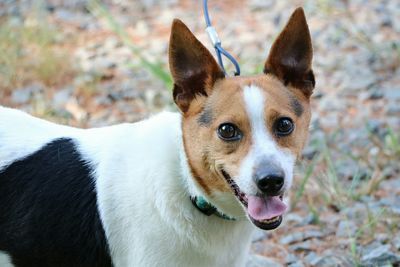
(269, 177)
(271, 184)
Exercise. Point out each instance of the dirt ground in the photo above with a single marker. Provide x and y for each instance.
(88, 64)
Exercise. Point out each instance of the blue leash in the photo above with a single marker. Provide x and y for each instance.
(212, 33)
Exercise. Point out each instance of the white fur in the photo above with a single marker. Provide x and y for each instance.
(264, 146)
(5, 260)
(142, 181)
(21, 135)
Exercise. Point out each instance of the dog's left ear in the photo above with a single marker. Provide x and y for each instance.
(290, 58)
(192, 66)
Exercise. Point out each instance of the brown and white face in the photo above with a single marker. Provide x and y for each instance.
(242, 135)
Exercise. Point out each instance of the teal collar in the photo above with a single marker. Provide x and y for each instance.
(208, 209)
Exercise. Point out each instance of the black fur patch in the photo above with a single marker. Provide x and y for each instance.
(206, 117)
(296, 106)
(48, 210)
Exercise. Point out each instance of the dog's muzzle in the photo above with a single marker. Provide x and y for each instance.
(266, 209)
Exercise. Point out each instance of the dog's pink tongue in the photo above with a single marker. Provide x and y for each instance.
(265, 208)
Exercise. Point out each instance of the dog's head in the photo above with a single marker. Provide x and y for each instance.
(242, 135)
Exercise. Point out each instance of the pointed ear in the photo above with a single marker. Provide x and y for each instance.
(193, 68)
(291, 55)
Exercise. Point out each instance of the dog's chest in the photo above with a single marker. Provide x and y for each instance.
(223, 247)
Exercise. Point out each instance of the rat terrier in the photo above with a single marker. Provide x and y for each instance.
(179, 189)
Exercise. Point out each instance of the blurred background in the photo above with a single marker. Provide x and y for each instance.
(94, 63)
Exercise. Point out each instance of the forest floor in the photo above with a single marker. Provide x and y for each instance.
(84, 64)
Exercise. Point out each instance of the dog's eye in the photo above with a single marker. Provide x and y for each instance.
(284, 126)
(229, 132)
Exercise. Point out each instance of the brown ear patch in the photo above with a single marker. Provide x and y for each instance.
(193, 68)
(291, 55)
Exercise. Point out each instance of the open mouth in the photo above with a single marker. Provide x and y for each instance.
(265, 212)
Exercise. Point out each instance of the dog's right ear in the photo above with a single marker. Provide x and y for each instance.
(290, 58)
(192, 66)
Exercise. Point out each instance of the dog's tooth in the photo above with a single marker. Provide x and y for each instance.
(275, 219)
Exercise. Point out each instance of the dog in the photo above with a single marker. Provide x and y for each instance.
(178, 189)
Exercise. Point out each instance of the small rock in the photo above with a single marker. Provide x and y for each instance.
(380, 256)
(346, 229)
(294, 218)
(74, 17)
(128, 91)
(376, 95)
(375, 126)
(370, 247)
(365, 78)
(300, 236)
(296, 264)
(105, 63)
(255, 260)
(262, 248)
(258, 247)
(387, 22)
(85, 79)
(392, 93)
(367, 199)
(291, 238)
(266, 4)
(391, 183)
(356, 211)
(311, 218)
(50, 7)
(333, 261)
(23, 95)
(160, 99)
(312, 258)
(62, 96)
(330, 120)
(303, 246)
(347, 169)
(393, 109)
(310, 152)
(259, 236)
(65, 15)
(396, 242)
(392, 203)
(103, 100)
(382, 237)
(115, 96)
(318, 95)
(312, 234)
(291, 258)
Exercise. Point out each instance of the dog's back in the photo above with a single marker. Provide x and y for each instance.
(37, 202)
(22, 134)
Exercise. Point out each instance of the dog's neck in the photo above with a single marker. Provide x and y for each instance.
(196, 194)
(191, 187)
(208, 208)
